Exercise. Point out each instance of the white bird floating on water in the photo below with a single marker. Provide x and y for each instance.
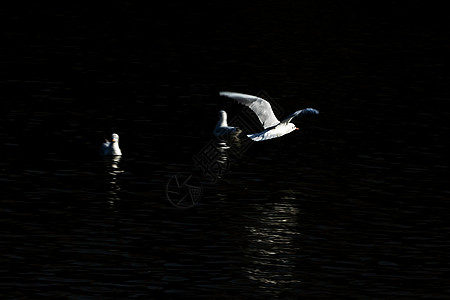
(273, 127)
(222, 127)
(111, 148)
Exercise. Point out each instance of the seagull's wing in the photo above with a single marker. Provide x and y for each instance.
(301, 112)
(259, 106)
(105, 145)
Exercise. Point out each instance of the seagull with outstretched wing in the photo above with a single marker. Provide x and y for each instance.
(273, 128)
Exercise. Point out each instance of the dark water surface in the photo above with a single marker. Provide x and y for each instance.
(355, 205)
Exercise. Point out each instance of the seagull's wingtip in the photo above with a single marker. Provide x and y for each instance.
(310, 110)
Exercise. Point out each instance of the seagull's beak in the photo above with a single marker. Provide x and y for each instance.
(296, 128)
(113, 140)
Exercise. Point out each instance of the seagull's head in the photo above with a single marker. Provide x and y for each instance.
(115, 138)
(291, 127)
(223, 118)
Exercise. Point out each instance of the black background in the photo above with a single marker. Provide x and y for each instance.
(369, 175)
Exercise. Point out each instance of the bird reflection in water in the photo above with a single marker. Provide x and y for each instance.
(113, 171)
(215, 158)
(227, 146)
(227, 149)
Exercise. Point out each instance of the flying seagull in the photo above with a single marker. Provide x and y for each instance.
(273, 127)
(222, 128)
(111, 148)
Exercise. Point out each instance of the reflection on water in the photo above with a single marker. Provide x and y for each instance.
(222, 163)
(272, 248)
(229, 148)
(113, 170)
(216, 157)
